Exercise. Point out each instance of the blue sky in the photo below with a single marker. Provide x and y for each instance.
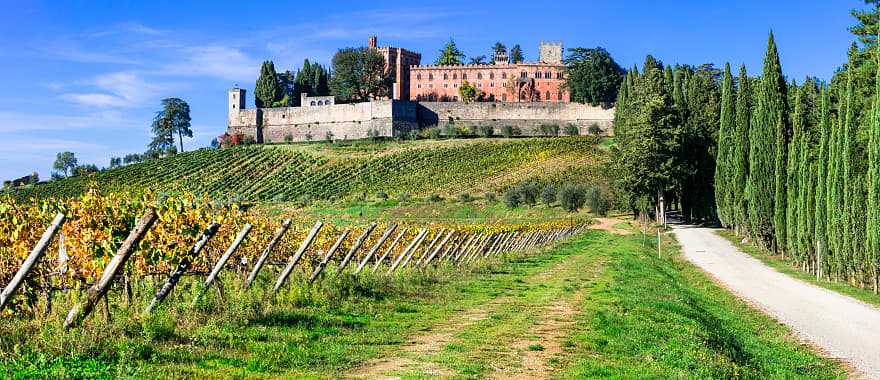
(87, 76)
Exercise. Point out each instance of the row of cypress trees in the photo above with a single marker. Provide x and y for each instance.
(798, 166)
(665, 123)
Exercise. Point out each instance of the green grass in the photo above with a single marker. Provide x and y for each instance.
(288, 172)
(637, 316)
(785, 266)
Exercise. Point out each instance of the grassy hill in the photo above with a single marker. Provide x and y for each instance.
(328, 171)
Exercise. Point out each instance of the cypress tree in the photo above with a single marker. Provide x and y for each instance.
(846, 159)
(822, 164)
(791, 171)
(806, 197)
(764, 134)
(776, 97)
(726, 140)
(872, 225)
(267, 89)
(834, 205)
(740, 152)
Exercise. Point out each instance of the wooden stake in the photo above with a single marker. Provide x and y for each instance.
(390, 249)
(222, 262)
(296, 256)
(327, 257)
(183, 266)
(32, 258)
(99, 289)
(375, 248)
(265, 255)
(357, 245)
(408, 252)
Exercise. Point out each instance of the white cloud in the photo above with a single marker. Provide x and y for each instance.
(120, 89)
(213, 61)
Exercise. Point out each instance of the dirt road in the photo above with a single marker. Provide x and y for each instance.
(841, 326)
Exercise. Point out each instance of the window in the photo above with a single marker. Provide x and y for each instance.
(523, 75)
(418, 76)
(491, 75)
(455, 98)
(430, 76)
(504, 84)
(503, 97)
(538, 74)
(503, 75)
(559, 75)
(454, 76)
(547, 95)
(479, 75)
(491, 84)
(538, 96)
(312, 103)
(464, 76)
(455, 85)
(419, 85)
(445, 76)
(559, 96)
(480, 84)
(430, 85)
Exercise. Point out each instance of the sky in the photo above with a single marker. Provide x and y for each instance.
(88, 76)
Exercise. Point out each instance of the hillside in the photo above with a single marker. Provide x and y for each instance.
(326, 171)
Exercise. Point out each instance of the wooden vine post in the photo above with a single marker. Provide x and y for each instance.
(408, 252)
(375, 248)
(265, 255)
(183, 266)
(390, 249)
(99, 289)
(223, 260)
(427, 250)
(357, 245)
(296, 256)
(327, 257)
(437, 249)
(32, 258)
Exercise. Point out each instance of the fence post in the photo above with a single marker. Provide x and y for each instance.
(296, 256)
(184, 264)
(437, 249)
(265, 255)
(479, 250)
(99, 289)
(427, 250)
(222, 262)
(357, 245)
(390, 249)
(375, 248)
(459, 253)
(408, 252)
(327, 257)
(453, 250)
(32, 258)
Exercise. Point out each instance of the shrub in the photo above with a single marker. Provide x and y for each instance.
(485, 130)
(432, 133)
(465, 197)
(507, 131)
(373, 134)
(548, 195)
(305, 200)
(529, 192)
(572, 130)
(490, 197)
(288, 138)
(512, 198)
(572, 197)
(381, 195)
(549, 129)
(404, 197)
(451, 131)
(309, 136)
(413, 134)
(248, 140)
(594, 129)
(434, 197)
(597, 202)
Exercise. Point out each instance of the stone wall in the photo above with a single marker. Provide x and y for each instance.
(345, 121)
(527, 116)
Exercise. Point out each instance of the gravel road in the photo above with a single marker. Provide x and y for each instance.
(841, 326)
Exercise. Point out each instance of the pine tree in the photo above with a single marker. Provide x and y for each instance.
(769, 122)
(516, 54)
(450, 55)
(822, 164)
(726, 141)
(740, 152)
(267, 89)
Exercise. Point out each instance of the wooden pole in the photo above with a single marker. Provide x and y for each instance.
(428, 250)
(330, 253)
(453, 251)
(408, 252)
(32, 258)
(265, 255)
(459, 253)
(375, 248)
(185, 263)
(437, 249)
(390, 249)
(296, 256)
(357, 245)
(99, 289)
(223, 260)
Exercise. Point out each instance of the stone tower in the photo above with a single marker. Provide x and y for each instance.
(236, 101)
(501, 58)
(551, 52)
(372, 42)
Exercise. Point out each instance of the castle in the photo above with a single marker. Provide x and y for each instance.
(524, 95)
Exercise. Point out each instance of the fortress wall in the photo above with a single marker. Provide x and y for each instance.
(527, 116)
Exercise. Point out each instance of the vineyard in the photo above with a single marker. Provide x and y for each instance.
(326, 171)
(103, 237)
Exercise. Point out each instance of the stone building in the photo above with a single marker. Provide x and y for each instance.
(398, 61)
(541, 81)
(312, 101)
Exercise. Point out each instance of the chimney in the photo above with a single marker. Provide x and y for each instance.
(371, 41)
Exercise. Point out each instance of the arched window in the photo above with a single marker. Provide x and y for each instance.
(479, 75)
(445, 76)
(523, 75)
(559, 96)
(503, 75)
(454, 76)
(491, 75)
(547, 95)
(430, 76)
(418, 76)
(503, 97)
(312, 103)
(546, 75)
(537, 75)
(464, 76)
